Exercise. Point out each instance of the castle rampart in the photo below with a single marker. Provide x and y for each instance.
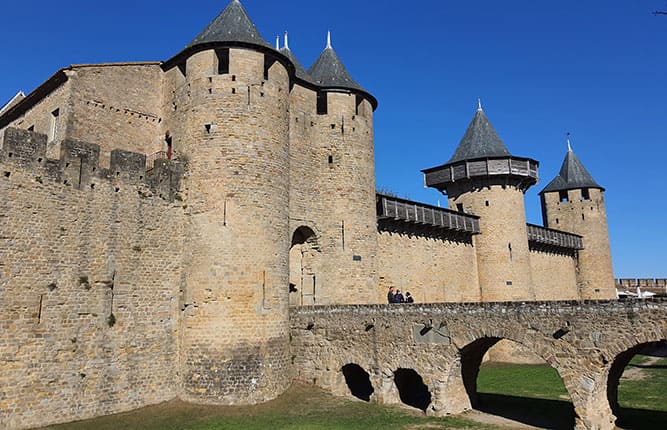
(89, 281)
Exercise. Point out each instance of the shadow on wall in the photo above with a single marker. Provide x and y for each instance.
(358, 381)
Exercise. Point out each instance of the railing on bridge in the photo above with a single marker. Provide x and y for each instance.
(419, 213)
(556, 238)
(150, 159)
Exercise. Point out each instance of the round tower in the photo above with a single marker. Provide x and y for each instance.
(226, 115)
(333, 180)
(484, 179)
(574, 202)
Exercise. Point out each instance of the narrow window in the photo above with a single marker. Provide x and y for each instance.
(583, 217)
(459, 207)
(585, 194)
(562, 196)
(509, 246)
(268, 62)
(223, 61)
(53, 130)
(322, 103)
(509, 283)
(330, 160)
(556, 220)
(168, 140)
(182, 67)
(486, 203)
(358, 109)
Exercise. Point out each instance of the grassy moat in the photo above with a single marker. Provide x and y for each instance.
(531, 395)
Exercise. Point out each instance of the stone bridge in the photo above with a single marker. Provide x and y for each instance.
(377, 351)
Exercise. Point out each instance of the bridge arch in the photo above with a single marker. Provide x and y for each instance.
(620, 363)
(513, 406)
(358, 381)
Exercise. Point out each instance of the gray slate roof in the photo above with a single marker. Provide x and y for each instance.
(328, 71)
(480, 141)
(573, 175)
(232, 25)
(300, 71)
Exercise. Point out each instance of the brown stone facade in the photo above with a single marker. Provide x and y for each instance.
(159, 221)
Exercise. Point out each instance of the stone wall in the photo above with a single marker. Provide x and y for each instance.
(587, 217)
(332, 192)
(554, 275)
(433, 265)
(90, 274)
(118, 105)
(233, 129)
(588, 343)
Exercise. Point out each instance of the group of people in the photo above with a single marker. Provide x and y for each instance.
(395, 296)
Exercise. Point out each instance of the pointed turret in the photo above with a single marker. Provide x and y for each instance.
(232, 25)
(300, 71)
(480, 140)
(329, 72)
(483, 178)
(573, 175)
(481, 153)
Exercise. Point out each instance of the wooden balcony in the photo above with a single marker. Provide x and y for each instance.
(427, 215)
(554, 238)
(524, 169)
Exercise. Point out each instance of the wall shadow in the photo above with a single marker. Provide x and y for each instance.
(640, 419)
(543, 413)
(358, 381)
(411, 389)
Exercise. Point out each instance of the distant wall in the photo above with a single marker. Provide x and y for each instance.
(433, 265)
(554, 275)
(118, 106)
(72, 255)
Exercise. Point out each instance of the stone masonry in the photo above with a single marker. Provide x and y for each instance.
(159, 221)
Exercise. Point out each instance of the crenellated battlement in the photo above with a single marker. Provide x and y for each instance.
(79, 165)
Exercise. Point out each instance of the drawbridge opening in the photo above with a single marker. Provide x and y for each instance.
(358, 381)
(411, 389)
(637, 384)
(304, 264)
(522, 388)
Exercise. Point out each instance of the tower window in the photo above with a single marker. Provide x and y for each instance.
(486, 203)
(585, 194)
(331, 160)
(459, 207)
(53, 130)
(223, 61)
(322, 102)
(562, 196)
(168, 140)
(509, 247)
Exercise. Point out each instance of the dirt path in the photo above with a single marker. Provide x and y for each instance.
(495, 420)
(632, 373)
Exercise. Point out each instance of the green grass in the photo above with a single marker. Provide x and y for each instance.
(301, 408)
(521, 380)
(650, 391)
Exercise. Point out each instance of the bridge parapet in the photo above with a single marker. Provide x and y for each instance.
(445, 342)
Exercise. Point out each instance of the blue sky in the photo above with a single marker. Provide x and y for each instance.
(595, 68)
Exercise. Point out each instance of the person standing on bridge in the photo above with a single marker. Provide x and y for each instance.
(391, 295)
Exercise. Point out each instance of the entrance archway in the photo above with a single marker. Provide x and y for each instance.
(532, 394)
(304, 264)
(635, 386)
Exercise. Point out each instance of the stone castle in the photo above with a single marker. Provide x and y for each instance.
(160, 219)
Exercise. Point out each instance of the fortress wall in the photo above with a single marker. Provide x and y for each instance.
(233, 129)
(332, 192)
(70, 257)
(586, 217)
(40, 116)
(119, 106)
(436, 268)
(554, 275)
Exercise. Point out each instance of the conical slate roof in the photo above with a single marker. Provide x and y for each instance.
(479, 141)
(300, 71)
(232, 25)
(328, 71)
(573, 175)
